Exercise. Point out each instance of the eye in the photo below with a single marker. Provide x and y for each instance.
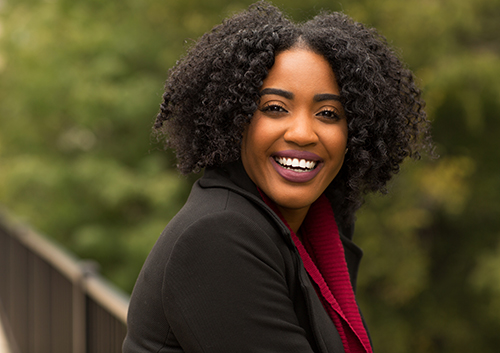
(273, 108)
(329, 113)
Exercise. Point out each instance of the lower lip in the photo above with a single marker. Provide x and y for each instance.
(293, 176)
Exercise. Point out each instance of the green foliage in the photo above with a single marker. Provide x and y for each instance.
(80, 84)
(79, 91)
(429, 282)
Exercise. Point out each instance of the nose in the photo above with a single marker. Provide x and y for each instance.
(301, 130)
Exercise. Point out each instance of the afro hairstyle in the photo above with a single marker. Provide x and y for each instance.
(212, 93)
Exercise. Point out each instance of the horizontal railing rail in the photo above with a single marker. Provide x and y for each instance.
(52, 302)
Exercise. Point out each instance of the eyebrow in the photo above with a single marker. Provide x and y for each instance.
(326, 97)
(289, 95)
(278, 92)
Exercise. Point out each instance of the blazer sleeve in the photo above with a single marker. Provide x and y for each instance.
(225, 290)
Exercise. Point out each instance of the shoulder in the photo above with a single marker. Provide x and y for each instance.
(213, 222)
(222, 240)
(218, 227)
(218, 209)
(228, 229)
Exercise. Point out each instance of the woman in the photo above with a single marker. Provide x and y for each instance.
(293, 123)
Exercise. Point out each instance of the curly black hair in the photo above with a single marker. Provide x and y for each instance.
(212, 93)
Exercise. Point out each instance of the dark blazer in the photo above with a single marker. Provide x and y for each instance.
(225, 276)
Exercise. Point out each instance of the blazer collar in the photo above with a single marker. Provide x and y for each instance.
(233, 176)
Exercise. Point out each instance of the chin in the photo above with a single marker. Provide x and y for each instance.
(293, 203)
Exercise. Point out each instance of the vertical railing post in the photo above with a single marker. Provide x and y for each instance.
(79, 319)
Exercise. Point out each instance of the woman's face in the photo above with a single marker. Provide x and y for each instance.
(295, 143)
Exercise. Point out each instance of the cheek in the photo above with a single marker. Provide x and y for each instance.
(244, 148)
(248, 147)
(336, 139)
(253, 138)
(341, 136)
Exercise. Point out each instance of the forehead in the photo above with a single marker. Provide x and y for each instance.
(299, 70)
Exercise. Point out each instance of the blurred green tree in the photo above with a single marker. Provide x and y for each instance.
(431, 284)
(80, 84)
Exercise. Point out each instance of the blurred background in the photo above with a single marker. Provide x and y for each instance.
(80, 86)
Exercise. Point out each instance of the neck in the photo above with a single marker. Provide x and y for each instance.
(294, 217)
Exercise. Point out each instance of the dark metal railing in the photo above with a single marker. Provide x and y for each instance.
(51, 302)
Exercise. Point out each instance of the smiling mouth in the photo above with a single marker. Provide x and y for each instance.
(295, 164)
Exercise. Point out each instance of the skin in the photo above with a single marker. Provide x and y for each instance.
(299, 113)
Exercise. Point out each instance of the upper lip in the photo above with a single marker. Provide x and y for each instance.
(298, 154)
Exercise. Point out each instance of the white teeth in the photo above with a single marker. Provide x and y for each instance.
(296, 164)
